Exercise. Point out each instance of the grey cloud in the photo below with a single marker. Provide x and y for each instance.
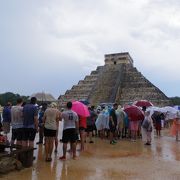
(56, 43)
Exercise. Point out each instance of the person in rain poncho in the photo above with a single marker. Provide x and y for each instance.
(175, 129)
(120, 121)
(147, 128)
(101, 123)
(106, 120)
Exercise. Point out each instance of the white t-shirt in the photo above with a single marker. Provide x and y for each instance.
(17, 117)
(70, 118)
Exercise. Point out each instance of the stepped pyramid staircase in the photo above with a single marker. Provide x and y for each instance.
(117, 81)
(135, 87)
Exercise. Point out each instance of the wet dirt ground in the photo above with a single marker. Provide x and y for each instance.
(101, 161)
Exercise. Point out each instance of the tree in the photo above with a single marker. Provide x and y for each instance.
(175, 100)
(10, 97)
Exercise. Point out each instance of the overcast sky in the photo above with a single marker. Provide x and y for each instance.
(49, 45)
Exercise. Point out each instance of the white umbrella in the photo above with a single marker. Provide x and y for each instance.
(152, 109)
(169, 109)
(170, 112)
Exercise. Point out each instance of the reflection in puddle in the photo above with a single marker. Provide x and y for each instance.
(125, 160)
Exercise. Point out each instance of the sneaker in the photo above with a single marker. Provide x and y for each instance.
(63, 158)
(91, 141)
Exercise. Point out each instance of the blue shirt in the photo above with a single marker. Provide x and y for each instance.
(40, 119)
(6, 114)
(29, 112)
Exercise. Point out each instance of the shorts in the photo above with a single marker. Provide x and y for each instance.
(111, 127)
(6, 127)
(29, 134)
(17, 134)
(90, 128)
(69, 135)
(134, 125)
(82, 128)
(49, 132)
(158, 126)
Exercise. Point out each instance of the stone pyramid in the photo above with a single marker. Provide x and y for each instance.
(117, 81)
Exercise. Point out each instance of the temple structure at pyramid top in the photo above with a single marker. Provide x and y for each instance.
(117, 81)
(118, 58)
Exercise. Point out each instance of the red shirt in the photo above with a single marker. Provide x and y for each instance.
(82, 122)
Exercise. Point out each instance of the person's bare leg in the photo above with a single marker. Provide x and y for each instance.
(149, 137)
(135, 135)
(101, 134)
(31, 144)
(90, 136)
(47, 147)
(51, 145)
(12, 142)
(177, 135)
(41, 134)
(56, 143)
(82, 140)
(64, 149)
(74, 150)
(111, 136)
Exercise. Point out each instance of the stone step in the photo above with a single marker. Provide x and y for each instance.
(138, 89)
(95, 72)
(90, 83)
(134, 78)
(91, 78)
(99, 68)
(78, 93)
(80, 96)
(147, 96)
(136, 85)
(83, 86)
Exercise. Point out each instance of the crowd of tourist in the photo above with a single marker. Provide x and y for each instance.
(105, 122)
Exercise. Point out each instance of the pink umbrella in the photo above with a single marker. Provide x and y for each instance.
(80, 109)
(142, 103)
